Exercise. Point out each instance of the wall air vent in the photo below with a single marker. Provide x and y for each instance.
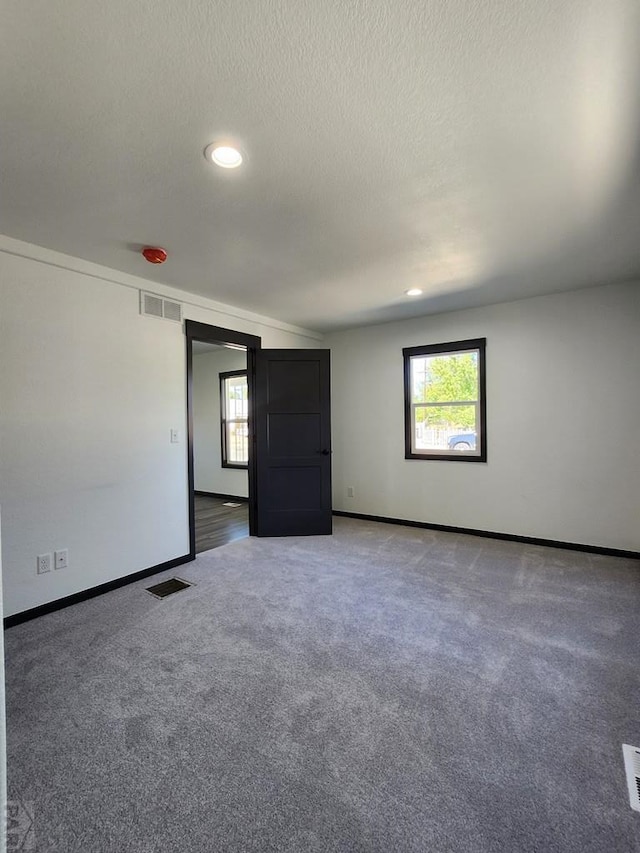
(632, 767)
(152, 305)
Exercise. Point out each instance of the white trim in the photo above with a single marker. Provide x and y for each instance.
(11, 246)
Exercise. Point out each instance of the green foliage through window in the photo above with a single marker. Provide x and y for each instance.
(446, 379)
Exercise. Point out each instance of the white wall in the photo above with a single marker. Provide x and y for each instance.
(209, 475)
(89, 391)
(563, 412)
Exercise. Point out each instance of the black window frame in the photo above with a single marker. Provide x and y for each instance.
(451, 348)
(229, 374)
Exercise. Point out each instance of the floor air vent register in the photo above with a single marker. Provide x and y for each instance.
(162, 590)
(632, 766)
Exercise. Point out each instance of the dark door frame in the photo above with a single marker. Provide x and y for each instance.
(217, 335)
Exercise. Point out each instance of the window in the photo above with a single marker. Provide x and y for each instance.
(444, 394)
(234, 410)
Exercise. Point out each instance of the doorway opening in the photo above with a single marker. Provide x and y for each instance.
(221, 447)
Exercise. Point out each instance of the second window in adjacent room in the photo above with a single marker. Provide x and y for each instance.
(234, 415)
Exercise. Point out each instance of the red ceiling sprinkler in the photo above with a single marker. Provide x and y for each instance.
(154, 254)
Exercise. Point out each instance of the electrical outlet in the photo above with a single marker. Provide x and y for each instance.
(350, 492)
(61, 559)
(44, 563)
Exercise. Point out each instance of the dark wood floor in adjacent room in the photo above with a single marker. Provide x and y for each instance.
(217, 524)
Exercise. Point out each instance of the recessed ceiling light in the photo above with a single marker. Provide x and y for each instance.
(223, 155)
(414, 291)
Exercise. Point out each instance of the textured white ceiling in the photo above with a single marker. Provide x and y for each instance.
(480, 150)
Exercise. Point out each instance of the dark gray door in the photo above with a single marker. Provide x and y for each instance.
(293, 437)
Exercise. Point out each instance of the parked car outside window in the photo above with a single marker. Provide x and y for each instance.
(464, 441)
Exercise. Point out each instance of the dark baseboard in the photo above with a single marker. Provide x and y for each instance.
(509, 537)
(219, 495)
(85, 594)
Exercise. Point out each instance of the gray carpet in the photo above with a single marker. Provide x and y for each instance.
(385, 689)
